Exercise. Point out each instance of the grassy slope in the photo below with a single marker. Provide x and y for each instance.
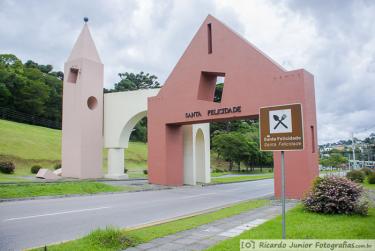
(28, 145)
(305, 225)
(111, 239)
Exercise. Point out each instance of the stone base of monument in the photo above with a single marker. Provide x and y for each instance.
(117, 176)
(58, 172)
(47, 174)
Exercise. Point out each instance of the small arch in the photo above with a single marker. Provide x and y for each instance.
(200, 156)
(128, 128)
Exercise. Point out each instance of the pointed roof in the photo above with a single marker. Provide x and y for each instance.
(217, 49)
(84, 47)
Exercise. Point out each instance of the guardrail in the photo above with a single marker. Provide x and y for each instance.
(12, 115)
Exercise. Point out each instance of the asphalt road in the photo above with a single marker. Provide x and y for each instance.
(31, 223)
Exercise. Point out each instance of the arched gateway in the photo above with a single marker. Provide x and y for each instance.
(178, 138)
(252, 80)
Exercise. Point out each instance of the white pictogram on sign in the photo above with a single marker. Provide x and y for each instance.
(280, 121)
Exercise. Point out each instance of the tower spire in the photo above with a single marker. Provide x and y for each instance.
(85, 47)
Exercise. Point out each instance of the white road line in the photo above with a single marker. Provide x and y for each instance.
(57, 213)
(195, 196)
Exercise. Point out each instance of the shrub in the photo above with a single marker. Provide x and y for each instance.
(335, 195)
(7, 167)
(57, 166)
(35, 169)
(110, 239)
(371, 178)
(125, 170)
(367, 171)
(356, 176)
(145, 171)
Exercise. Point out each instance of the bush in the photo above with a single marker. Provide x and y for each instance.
(7, 167)
(57, 166)
(125, 170)
(110, 239)
(335, 195)
(367, 171)
(35, 169)
(356, 176)
(145, 171)
(371, 178)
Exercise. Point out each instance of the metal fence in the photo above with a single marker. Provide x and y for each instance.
(12, 115)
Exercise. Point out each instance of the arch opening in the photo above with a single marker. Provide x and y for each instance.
(128, 129)
(200, 156)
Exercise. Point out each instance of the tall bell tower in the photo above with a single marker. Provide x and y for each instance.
(82, 122)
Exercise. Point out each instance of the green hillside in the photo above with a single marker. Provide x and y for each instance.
(27, 145)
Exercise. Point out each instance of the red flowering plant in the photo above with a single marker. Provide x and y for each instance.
(336, 195)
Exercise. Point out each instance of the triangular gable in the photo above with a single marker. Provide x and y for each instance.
(227, 52)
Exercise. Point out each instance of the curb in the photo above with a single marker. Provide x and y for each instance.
(79, 195)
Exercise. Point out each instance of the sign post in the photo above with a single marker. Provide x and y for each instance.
(281, 129)
(283, 194)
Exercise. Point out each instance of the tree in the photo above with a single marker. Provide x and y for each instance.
(232, 147)
(334, 160)
(5, 95)
(218, 92)
(30, 88)
(131, 82)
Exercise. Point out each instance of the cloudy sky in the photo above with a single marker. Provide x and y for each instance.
(334, 40)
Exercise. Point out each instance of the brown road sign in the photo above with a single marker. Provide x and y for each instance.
(281, 128)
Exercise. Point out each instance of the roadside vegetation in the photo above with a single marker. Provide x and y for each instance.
(25, 190)
(116, 239)
(240, 178)
(364, 176)
(334, 208)
(301, 224)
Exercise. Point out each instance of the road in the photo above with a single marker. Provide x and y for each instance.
(31, 223)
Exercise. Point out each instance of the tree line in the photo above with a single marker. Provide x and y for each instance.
(30, 88)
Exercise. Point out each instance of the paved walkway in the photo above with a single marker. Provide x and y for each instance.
(205, 236)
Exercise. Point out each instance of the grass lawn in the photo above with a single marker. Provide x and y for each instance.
(10, 178)
(222, 180)
(305, 225)
(61, 188)
(218, 174)
(257, 171)
(368, 186)
(112, 239)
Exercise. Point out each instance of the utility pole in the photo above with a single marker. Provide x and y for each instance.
(353, 149)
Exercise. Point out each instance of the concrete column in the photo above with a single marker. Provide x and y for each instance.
(116, 164)
(189, 165)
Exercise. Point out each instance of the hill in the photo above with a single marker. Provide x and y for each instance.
(28, 145)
